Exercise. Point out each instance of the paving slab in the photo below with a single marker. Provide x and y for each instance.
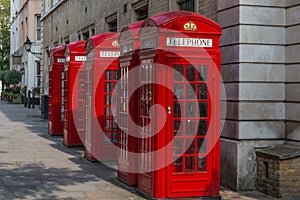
(34, 165)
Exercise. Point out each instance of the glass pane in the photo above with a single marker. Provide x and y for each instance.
(107, 123)
(202, 164)
(143, 73)
(178, 128)
(190, 73)
(108, 75)
(203, 109)
(190, 128)
(178, 91)
(179, 75)
(108, 87)
(177, 165)
(202, 73)
(190, 146)
(202, 128)
(202, 91)
(201, 146)
(115, 111)
(115, 99)
(190, 109)
(178, 146)
(107, 112)
(108, 101)
(190, 164)
(115, 75)
(115, 125)
(115, 137)
(177, 109)
(191, 91)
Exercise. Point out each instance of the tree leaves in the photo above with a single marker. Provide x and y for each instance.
(4, 34)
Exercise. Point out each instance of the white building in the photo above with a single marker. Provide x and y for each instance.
(25, 22)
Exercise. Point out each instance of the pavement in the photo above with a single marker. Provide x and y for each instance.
(34, 165)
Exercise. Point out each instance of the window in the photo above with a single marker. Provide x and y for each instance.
(38, 74)
(85, 35)
(78, 35)
(67, 40)
(113, 26)
(38, 28)
(188, 5)
(142, 13)
(140, 10)
(92, 30)
(86, 32)
(112, 23)
(125, 8)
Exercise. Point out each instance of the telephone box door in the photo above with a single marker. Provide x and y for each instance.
(191, 132)
(146, 141)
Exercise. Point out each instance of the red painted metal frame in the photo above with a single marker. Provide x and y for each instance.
(75, 57)
(165, 183)
(97, 146)
(56, 67)
(129, 59)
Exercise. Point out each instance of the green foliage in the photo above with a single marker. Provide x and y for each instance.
(13, 77)
(4, 34)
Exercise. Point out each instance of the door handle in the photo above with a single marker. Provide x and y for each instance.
(169, 110)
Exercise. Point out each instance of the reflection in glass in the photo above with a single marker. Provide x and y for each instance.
(202, 91)
(177, 165)
(115, 137)
(190, 73)
(190, 145)
(108, 87)
(190, 128)
(107, 122)
(107, 112)
(179, 75)
(202, 128)
(115, 75)
(108, 75)
(203, 109)
(202, 164)
(177, 109)
(190, 109)
(191, 91)
(202, 73)
(178, 146)
(108, 101)
(189, 164)
(201, 146)
(178, 91)
(177, 128)
(115, 125)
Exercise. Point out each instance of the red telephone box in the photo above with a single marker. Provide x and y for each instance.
(129, 59)
(101, 70)
(180, 51)
(75, 57)
(56, 93)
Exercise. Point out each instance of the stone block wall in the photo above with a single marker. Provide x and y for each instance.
(253, 72)
(293, 71)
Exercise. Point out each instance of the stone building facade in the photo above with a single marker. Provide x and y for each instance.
(261, 75)
(25, 22)
(260, 65)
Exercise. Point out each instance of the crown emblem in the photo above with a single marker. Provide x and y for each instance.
(115, 43)
(190, 26)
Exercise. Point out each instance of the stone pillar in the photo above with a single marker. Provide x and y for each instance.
(253, 70)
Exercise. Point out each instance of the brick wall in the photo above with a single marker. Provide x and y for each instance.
(278, 177)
